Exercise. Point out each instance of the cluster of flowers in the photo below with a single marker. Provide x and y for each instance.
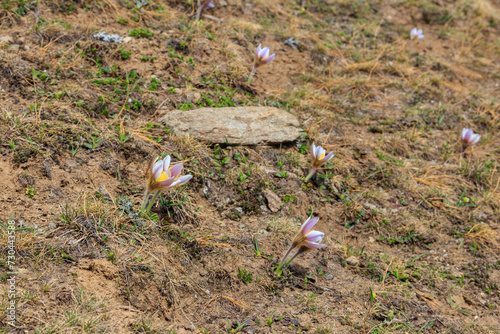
(163, 177)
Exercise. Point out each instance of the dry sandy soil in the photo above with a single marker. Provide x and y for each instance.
(412, 227)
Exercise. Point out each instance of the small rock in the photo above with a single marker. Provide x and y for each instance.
(292, 42)
(328, 276)
(193, 97)
(273, 201)
(127, 39)
(6, 39)
(370, 206)
(108, 38)
(352, 260)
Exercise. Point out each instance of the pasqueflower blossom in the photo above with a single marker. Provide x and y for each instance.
(318, 159)
(305, 240)
(162, 177)
(468, 138)
(416, 34)
(261, 58)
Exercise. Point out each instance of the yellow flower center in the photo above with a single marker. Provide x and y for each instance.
(163, 177)
(322, 156)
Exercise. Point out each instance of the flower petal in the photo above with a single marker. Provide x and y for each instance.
(166, 163)
(464, 131)
(167, 183)
(314, 245)
(313, 150)
(475, 138)
(308, 224)
(269, 59)
(157, 166)
(158, 173)
(315, 236)
(468, 135)
(319, 151)
(258, 51)
(328, 157)
(183, 179)
(264, 53)
(176, 170)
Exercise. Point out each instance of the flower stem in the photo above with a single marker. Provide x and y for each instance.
(293, 258)
(144, 200)
(199, 10)
(153, 200)
(311, 173)
(250, 77)
(278, 270)
(464, 154)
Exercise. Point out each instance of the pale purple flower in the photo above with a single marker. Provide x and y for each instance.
(309, 237)
(306, 240)
(209, 5)
(319, 156)
(318, 159)
(163, 176)
(469, 137)
(262, 56)
(416, 34)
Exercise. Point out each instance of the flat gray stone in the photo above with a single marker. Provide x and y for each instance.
(235, 125)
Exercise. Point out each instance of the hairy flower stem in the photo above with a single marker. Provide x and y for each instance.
(250, 77)
(198, 11)
(278, 270)
(464, 153)
(311, 173)
(145, 199)
(293, 257)
(153, 200)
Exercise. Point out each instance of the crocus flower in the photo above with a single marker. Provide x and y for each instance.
(306, 240)
(318, 159)
(209, 5)
(261, 57)
(162, 177)
(416, 34)
(468, 138)
(308, 236)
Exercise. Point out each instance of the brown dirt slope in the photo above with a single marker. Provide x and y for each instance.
(412, 227)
